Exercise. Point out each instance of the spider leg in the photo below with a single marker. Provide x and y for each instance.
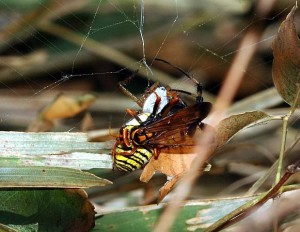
(156, 105)
(148, 91)
(171, 103)
(125, 91)
(134, 114)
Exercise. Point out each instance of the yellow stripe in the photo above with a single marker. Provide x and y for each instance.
(132, 162)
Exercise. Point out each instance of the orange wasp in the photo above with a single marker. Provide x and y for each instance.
(166, 123)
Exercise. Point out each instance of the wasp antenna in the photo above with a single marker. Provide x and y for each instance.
(179, 69)
(183, 91)
(199, 97)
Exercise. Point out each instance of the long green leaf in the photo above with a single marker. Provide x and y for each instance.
(60, 149)
(48, 177)
(195, 215)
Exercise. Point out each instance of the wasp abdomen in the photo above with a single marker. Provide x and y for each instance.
(125, 161)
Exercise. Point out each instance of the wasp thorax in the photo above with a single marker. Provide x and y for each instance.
(126, 131)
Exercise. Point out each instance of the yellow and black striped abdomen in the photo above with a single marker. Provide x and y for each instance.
(125, 161)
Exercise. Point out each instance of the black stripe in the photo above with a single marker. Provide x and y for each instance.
(137, 159)
(143, 154)
(124, 167)
(142, 162)
(129, 164)
(124, 148)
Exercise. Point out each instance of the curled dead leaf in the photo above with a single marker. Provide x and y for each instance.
(66, 107)
(286, 63)
(86, 214)
(61, 107)
(175, 165)
(228, 127)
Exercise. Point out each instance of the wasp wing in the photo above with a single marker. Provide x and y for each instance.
(178, 128)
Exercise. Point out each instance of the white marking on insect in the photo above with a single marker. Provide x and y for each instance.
(150, 101)
(134, 122)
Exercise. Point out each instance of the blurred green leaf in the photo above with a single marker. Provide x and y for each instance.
(17, 5)
(17, 228)
(53, 210)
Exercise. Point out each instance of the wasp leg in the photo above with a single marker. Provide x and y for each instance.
(156, 152)
(113, 154)
(125, 136)
(125, 153)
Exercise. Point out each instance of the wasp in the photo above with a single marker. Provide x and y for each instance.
(166, 123)
(128, 156)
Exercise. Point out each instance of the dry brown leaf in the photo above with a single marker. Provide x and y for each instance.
(286, 63)
(40, 125)
(228, 127)
(168, 164)
(67, 107)
(174, 166)
(35, 58)
(61, 107)
(169, 185)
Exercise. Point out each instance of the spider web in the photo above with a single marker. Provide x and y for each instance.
(200, 38)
